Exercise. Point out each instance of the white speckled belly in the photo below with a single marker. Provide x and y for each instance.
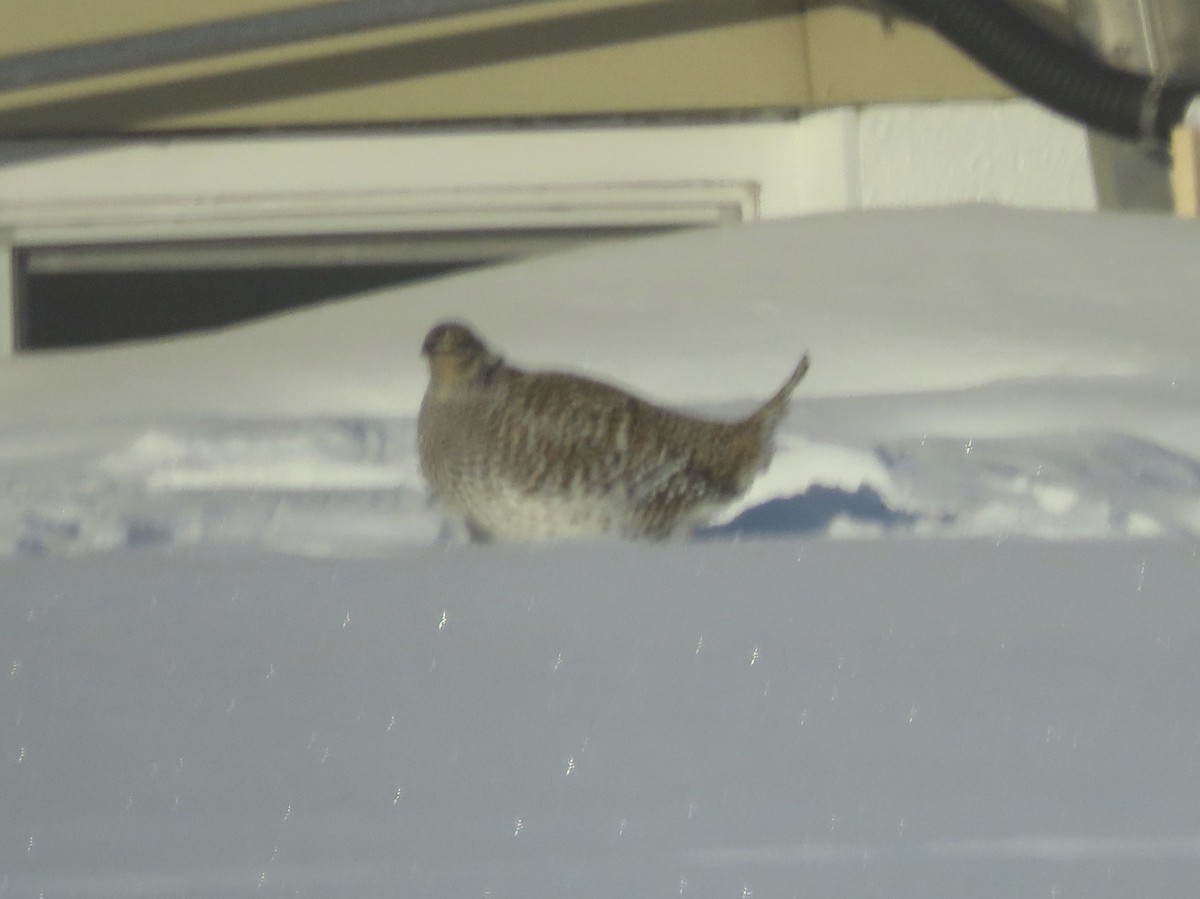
(506, 513)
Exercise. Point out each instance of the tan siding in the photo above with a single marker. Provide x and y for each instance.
(856, 58)
(829, 56)
(755, 65)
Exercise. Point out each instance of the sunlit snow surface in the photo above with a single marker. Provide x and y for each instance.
(976, 373)
(240, 655)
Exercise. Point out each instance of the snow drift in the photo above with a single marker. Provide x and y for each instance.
(237, 659)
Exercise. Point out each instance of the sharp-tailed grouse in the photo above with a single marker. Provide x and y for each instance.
(527, 455)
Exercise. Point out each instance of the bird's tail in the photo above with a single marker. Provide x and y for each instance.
(771, 413)
(774, 409)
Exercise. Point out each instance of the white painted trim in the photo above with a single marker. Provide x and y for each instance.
(277, 214)
(785, 164)
(1192, 116)
(828, 161)
(8, 326)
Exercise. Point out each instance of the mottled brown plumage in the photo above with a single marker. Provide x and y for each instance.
(521, 455)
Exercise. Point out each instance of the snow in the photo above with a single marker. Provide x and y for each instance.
(945, 646)
(980, 372)
(868, 718)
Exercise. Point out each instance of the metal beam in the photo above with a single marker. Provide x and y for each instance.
(209, 39)
(130, 107)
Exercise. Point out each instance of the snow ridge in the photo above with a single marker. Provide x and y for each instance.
(351, 487)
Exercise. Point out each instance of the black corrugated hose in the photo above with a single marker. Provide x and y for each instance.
(1064, 77)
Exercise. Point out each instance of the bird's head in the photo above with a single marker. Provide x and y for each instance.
(456, 356)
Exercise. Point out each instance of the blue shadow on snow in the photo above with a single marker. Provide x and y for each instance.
(807, 512)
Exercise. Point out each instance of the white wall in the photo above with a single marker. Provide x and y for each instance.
(1014, 154)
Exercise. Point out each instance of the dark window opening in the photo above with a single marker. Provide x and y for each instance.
(77, 309)
(88, 295)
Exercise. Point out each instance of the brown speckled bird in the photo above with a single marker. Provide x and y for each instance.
(523, 455)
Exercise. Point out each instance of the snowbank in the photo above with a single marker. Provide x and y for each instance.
(977, 372)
